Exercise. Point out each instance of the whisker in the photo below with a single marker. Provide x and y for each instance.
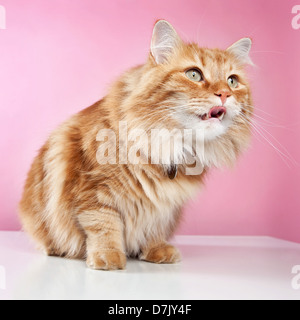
(285, 155)
(281, 155)
(283, 147)
(269, 123)
(260, 110)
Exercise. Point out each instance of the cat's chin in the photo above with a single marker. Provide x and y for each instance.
(212, 129)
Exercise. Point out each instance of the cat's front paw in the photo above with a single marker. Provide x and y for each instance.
(164, 253)
(109, 259)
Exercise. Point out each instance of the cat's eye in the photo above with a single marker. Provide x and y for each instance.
(194, 75)
(233, 82)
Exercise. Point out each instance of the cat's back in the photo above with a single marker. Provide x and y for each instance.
(53, 178)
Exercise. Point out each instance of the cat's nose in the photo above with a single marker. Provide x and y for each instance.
(223, 94)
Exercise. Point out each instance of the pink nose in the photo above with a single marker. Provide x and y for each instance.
(223, 94)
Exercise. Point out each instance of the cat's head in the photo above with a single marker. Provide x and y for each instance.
(185, 86)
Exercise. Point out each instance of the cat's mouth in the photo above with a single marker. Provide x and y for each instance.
(217, 113)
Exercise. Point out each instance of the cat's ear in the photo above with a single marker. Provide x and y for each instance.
(241, 50)
(164, 41)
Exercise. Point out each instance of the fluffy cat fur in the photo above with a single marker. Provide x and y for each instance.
(74, 207)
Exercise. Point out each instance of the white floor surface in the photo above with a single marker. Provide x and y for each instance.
(212, 268)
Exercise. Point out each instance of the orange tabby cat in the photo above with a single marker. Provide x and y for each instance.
(75, 207)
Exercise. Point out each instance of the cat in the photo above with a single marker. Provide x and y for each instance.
(75, 207)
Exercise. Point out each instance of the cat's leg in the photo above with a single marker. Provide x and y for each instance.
(105, 242)
(160, 252)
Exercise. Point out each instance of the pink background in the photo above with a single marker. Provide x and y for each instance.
(59, 56)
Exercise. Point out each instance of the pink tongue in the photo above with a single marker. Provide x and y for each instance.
(217, 112)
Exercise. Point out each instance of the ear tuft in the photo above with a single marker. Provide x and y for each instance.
(164, 40)
(241, 50)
